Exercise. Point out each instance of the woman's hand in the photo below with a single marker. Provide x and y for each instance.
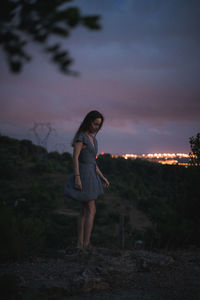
(106, 183)
(78, 184)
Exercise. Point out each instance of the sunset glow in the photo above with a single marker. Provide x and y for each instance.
(141, 71)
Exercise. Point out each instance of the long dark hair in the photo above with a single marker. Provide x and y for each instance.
(85, 125)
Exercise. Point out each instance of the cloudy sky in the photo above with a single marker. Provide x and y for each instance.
(141, 71)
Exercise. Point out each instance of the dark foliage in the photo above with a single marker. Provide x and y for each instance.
(32, 192)
(23, 22)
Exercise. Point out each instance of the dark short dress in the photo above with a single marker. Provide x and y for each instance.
(91, 183)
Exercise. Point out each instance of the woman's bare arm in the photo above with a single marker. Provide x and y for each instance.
(99, 172)
(77, 149)
(105, 180)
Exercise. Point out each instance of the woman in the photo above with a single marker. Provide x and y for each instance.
(84, 184)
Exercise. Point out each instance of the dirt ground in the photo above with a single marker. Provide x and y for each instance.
(110, 274)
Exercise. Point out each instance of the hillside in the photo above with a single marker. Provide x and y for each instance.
(159, 204)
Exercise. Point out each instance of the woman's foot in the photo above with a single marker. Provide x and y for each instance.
(80, 250)
(88, 248)
(80, 246)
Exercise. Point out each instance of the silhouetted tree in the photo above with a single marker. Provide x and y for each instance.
(195, 147)
(39, 20)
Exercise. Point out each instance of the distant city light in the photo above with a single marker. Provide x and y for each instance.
(162, 158)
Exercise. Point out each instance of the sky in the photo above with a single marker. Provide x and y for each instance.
(141, 71)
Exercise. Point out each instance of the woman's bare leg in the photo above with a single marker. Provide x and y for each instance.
(91, 211)
(81, 222)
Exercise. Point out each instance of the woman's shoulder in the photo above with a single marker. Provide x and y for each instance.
(80, 137)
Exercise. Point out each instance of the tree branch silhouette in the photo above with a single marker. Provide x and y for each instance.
(195, 148)
(40, 20)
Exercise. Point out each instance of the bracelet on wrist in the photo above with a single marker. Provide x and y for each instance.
(77, 175)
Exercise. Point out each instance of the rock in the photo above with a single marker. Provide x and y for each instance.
(89, 280)
(153, 258)
(139, 244)
(61, 252)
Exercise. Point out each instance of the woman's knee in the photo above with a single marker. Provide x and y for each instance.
(93, 211)
(91, 208)
(83, 209)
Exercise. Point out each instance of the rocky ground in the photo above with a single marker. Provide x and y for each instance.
(104, 274)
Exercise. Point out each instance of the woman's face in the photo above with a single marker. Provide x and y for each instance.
(94, 126)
